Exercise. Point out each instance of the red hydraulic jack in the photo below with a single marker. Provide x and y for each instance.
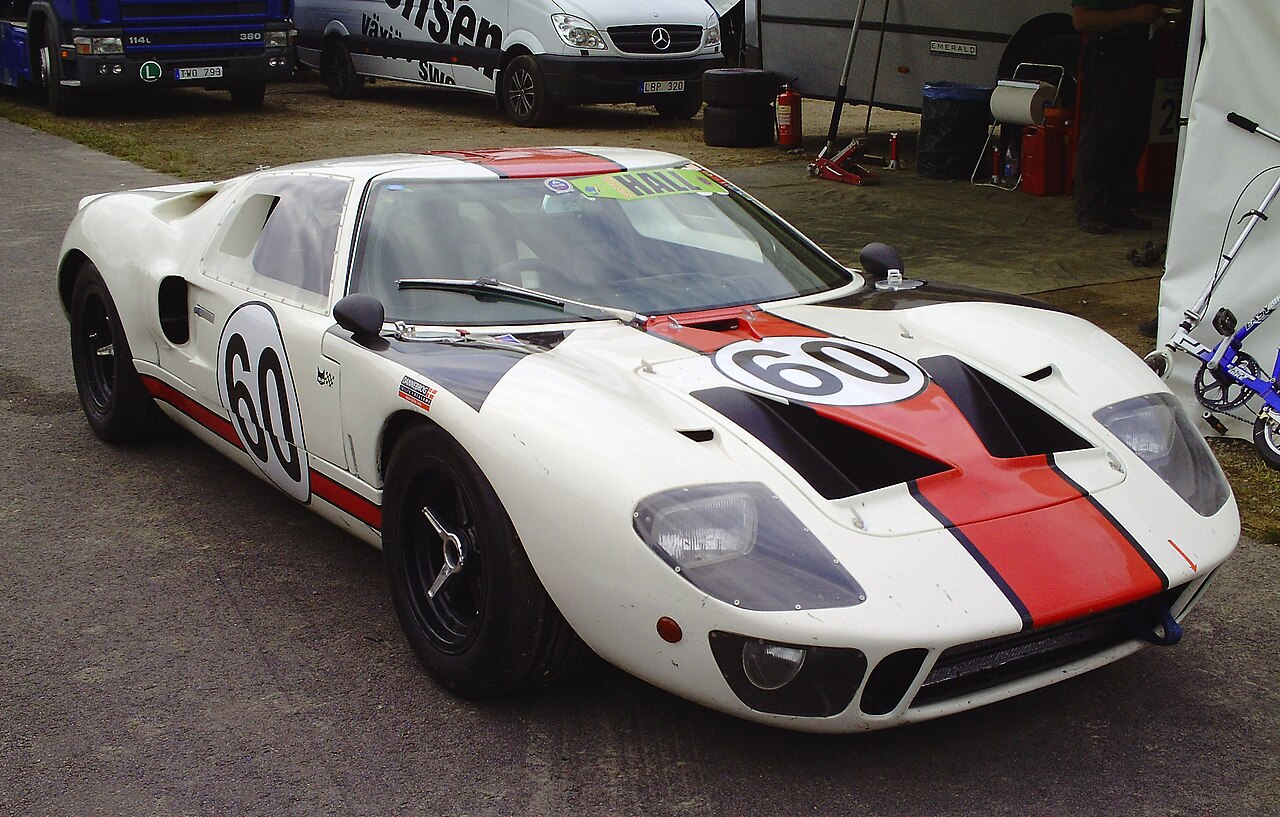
(843, 166)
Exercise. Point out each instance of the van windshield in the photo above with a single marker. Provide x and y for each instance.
(654, 242)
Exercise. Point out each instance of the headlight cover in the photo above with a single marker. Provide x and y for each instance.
(738, 543)
(712, 36)
(1155, 428)
(577, 32)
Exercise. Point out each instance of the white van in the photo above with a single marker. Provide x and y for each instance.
(535, 55)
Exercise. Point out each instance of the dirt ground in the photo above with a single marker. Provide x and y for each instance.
(946, 230)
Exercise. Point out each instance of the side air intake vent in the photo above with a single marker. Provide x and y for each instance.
(837, 460)
(1008, 424)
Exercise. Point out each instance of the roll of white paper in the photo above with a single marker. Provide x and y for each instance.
(1021, 103)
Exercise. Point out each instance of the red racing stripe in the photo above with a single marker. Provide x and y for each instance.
(341, 497)
(534, 163)
(1055, 553)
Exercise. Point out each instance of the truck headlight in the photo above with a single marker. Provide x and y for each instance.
(577, 32)
(738, 543)
(98, 45)
(277, 39)
(1155, 428)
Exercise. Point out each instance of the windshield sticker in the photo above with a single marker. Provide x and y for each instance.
(647, 184)
(558, 186)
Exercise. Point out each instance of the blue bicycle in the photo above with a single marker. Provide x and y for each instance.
(1229, 377)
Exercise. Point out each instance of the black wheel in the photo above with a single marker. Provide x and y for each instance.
(1266, 438)
(248, 96)
(339, 73)
(524, 93)
(739, 87)
(115, 402)
(467, 598)
(738, 127)
(680, 106)
(64, 100)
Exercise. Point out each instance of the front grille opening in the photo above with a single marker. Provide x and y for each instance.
(890, 681)
(837, 460)
(971, 668)
(640, 39)
(1007, 423)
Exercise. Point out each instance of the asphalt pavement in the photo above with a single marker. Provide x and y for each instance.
(178, 639)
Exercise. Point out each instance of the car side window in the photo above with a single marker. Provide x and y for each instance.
(280, 237)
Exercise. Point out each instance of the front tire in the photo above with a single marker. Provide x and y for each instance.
(1266, 438)
(466, 595)
(64, 100)
(684, 106)
(339, 72)
(115, 402)
(524, 93)
(248, 96)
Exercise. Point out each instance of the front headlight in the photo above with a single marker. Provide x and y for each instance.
(98, 45)
(577, 32)
(278, 39)
(739, 543)
(1155, 428)
(713, 31)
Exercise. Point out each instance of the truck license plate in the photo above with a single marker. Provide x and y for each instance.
(665, 86)
(203, 72)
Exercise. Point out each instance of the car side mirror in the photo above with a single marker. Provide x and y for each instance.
(360, 314)
(878, 258)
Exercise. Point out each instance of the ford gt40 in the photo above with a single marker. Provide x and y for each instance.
(602, 402)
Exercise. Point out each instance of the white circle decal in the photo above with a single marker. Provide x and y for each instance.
(256, 386)
(822, 371)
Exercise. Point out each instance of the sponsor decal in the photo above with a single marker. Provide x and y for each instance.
(647, 184)
(558, 186)
(417, 393)
(324, 378)
(257, 389)
(453, 22)
(963, 51)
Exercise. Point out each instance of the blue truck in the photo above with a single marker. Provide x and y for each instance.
(72, 48)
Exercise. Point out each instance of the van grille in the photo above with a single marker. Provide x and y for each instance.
(640, 39)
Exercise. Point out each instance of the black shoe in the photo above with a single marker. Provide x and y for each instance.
(1129, 221)
(1094, 226)
(1148, 328)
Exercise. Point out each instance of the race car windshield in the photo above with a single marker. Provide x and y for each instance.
(651, 242)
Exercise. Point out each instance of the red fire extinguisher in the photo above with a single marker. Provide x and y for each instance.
(790, 129)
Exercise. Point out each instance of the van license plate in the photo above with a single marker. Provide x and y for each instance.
(203, 72)
(665, 86)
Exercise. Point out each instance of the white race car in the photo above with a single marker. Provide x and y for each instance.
(600, 400)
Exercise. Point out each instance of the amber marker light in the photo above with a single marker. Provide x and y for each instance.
(669, 630)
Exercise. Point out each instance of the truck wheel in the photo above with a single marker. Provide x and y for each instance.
(63, 100)
(467, 598)
(339, 72)
(680, 106)
(248, 96)
(524, 93)
(115, 402)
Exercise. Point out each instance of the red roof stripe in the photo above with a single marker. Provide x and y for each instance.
(534, 163)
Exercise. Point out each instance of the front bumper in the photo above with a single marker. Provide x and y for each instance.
(125, 71)
(588, 80)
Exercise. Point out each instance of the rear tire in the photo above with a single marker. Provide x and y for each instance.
(115, 402)
(490, 628)
(339, 72)
(1266, 438)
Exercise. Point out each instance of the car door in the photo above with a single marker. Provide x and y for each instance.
(260, 307)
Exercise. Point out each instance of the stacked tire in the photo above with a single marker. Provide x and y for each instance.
(739, 112)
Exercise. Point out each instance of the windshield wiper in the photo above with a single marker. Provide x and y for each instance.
(485, 285)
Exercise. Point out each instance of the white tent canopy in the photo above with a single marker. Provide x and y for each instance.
(1223, 173)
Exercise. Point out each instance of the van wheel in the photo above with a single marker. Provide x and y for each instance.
(524, 93)
(339, 72)
(680, 106)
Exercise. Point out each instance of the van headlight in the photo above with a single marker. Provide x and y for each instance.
(738, 543)
(712, 37)
(1155, 429)
(577, 32)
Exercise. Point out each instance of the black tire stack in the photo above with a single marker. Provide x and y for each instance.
(739, 112)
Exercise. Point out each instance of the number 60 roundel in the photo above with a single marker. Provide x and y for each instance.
(256, 387)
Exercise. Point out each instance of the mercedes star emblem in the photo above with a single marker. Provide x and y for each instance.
(661, 39)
